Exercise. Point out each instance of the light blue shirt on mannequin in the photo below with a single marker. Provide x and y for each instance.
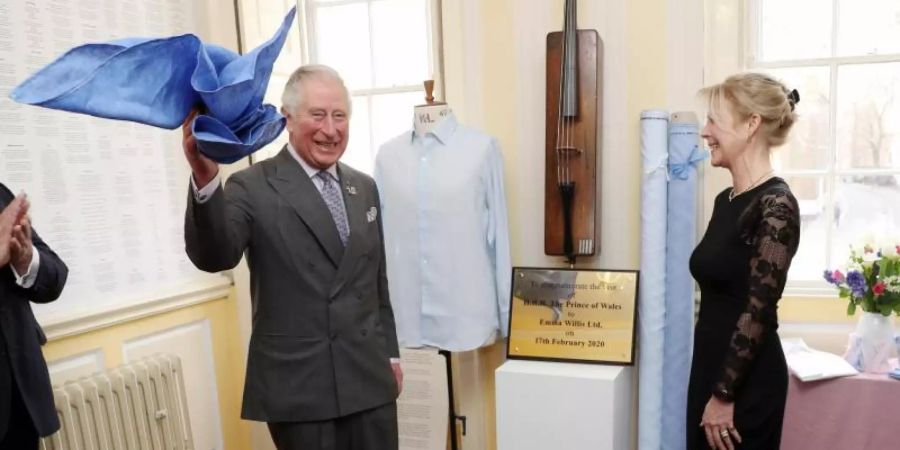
(446, 236)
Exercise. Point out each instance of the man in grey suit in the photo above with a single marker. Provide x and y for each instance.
(323, 365)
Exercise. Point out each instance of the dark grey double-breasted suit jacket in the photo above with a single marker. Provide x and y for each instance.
(323, 328)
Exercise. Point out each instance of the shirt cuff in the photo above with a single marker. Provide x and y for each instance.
(202, 195)
(395, 360)
(27, 279)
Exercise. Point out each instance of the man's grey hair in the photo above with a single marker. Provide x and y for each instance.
(292, 97)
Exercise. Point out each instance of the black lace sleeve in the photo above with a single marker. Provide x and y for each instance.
(775, 235)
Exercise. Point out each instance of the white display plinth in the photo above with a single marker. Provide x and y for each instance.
(563, 406)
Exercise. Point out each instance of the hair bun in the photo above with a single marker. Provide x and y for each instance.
(793, 98)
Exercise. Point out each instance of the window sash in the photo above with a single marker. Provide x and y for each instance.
(830, 174)
(433, 34)
(308, 9)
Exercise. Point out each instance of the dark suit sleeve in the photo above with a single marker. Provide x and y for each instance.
(52, 272)
(217, 232)
(51, 276)
(386, 311)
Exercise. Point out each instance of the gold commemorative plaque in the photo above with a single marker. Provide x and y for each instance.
(573, 315)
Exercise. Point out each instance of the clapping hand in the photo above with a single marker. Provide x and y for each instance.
(20, 247)
(11, 230)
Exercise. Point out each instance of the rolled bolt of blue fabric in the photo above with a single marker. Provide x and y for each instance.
(652, 303)
(156, 81)
(684, 154)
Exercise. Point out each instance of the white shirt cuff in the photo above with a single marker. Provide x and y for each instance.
(27, 279)
(395, 360)
(202, 195)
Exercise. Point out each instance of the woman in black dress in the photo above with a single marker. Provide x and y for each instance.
(739, 377)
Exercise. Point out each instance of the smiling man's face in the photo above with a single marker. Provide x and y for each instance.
(319, 127)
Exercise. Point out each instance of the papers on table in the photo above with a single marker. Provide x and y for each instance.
(808, 364)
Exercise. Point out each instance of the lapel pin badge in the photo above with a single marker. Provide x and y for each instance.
(351, 190)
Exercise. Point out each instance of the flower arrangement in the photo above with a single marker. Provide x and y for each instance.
(871, 279)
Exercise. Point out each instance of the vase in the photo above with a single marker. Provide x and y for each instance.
(876, 342)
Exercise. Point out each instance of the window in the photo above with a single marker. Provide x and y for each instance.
(384, 50)
(843, 157)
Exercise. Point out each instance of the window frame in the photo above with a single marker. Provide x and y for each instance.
(307, 11)
(744, 18)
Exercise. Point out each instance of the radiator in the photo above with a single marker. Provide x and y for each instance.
(138, 406)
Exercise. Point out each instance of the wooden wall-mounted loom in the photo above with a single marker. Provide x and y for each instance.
(573, 118)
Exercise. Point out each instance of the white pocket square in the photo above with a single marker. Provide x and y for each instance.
(371, 214)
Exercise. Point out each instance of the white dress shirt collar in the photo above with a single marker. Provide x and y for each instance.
(310, 170)
(442, 131)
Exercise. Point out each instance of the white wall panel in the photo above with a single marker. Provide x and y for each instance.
(74, 367)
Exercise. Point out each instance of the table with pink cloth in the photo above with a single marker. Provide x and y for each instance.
(851, 413)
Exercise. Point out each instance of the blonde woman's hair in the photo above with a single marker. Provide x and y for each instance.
(746, 94)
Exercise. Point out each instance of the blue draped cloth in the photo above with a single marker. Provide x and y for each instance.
(156, 81)
(684, 155)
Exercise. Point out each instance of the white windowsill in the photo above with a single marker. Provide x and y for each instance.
(808, 290)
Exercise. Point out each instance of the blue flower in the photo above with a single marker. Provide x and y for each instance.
(828, 277)
(857, 283)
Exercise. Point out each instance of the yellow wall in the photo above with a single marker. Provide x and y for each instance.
(228, 354)
(814, 310)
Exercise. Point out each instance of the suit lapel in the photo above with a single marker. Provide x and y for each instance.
(355, 204)
(298, 190)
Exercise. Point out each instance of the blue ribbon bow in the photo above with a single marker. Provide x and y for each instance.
(681, 170)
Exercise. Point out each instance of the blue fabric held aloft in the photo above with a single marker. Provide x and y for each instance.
(156, 81)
